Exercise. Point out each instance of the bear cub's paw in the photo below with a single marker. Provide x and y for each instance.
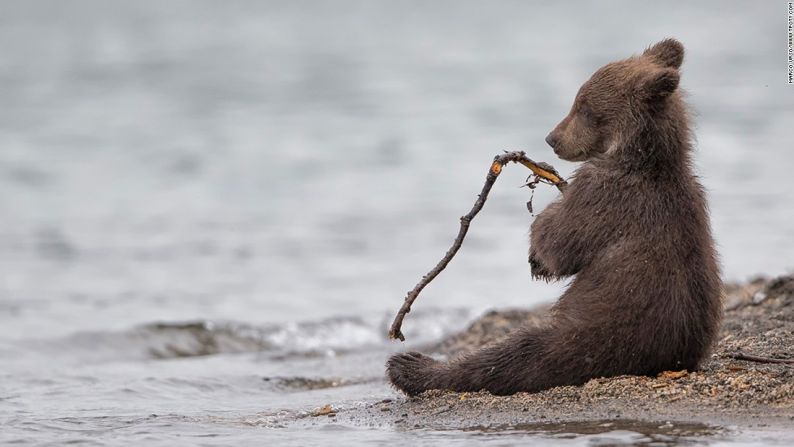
(412, 372)
(538, 270)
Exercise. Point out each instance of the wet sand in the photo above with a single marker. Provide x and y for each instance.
(726, 392)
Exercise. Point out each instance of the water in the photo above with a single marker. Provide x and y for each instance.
(211, 210)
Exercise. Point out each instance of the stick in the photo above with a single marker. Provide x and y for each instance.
(758, 359)
(540, 170)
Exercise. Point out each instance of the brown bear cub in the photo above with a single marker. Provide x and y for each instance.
(632, 227)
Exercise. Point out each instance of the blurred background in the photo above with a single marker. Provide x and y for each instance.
(197, 196)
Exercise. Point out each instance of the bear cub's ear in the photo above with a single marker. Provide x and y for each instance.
(660, 83)
(667, 53)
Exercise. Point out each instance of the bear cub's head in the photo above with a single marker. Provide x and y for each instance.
(616, 99)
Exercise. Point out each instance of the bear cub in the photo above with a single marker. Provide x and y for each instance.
(632, 229)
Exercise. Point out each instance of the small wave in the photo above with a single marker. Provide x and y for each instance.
(169, 340)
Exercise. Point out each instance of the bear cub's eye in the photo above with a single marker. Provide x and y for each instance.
(586, 111)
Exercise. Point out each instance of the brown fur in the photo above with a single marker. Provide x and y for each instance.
(632, 227)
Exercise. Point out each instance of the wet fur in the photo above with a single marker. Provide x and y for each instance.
(633, 232)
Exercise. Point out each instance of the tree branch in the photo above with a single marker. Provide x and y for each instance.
(541, 171)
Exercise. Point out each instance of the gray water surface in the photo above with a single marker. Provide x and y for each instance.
(211, 210)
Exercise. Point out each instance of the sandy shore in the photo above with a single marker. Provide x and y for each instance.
(759, 320)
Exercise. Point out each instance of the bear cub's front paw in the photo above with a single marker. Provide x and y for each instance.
(539, 271)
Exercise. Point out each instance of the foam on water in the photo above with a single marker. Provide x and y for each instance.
(279, 342)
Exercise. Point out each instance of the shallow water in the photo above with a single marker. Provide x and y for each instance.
(211, 210)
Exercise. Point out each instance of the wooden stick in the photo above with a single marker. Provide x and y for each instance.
(758, 359)
(540, 170)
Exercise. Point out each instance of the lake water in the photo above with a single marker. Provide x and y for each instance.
(210, 206)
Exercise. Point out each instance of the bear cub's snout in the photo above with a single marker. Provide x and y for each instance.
(552, 139)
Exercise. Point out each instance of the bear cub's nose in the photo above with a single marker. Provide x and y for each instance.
(552, 140)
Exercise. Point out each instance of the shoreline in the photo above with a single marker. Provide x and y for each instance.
(725, 394)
